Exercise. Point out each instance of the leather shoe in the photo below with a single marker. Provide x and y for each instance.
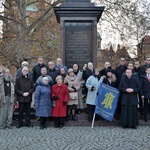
(61, 126)
(74, 118)
(41, 127)
(28, 125)
(135, 127)
(19, 126)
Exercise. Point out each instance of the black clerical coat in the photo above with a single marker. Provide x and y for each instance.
(129, 101)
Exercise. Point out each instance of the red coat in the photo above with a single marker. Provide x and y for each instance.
(62, 91)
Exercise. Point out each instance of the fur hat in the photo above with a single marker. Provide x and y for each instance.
(70, 70)
(58, 77)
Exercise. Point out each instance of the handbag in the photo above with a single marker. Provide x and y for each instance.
(73, 95)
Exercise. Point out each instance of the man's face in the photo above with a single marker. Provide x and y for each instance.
(59, 61)
(136, 64)
(40, 61)
(90, 66)
(148, 60)
(43, 71)
(7, 72)
(25, 71)
(128, 73)
(130, 66)
(122, 61)
(51, 65)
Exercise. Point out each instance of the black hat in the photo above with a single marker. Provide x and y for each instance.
(109, 70)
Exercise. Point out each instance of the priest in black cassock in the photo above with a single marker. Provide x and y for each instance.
(129, 87)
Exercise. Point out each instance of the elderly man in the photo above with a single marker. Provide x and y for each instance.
(52, 71)
(59, 65)
(19, 71)
(9, 97)
(107, 65)
(24, 88)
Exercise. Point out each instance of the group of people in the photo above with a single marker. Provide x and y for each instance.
(57, 91)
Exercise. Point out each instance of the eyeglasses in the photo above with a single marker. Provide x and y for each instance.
(25, 70)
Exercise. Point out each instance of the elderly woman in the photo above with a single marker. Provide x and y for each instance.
(42, 101)
(73, 86)
(60, 98)
(92, 85)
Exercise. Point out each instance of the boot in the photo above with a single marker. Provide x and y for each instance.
(68, 118)
(74, 118)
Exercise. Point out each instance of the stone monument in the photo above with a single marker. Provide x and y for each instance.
(78, 20)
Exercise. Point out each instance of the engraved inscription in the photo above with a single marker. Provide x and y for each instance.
(78, 43)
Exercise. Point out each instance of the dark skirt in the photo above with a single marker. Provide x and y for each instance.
(129, 115)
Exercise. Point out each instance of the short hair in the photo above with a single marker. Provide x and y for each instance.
(45, 78)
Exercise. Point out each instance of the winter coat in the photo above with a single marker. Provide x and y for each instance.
(53, 73)
(36, 71)
(72, 81)
(60, 109)
(19, 73)
(24, 84)
(145, 84)
(87, 73)
(40, 80)
(92, 95)
(129, 83)
(113, 83)
(42, 100)
(119, 71)
(82, 83)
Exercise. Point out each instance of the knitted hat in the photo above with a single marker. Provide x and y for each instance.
(70, 70)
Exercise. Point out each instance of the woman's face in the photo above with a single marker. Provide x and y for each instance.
(59, 81)
(71, 74)
(45, 81)
(96, 72)
(109, 74)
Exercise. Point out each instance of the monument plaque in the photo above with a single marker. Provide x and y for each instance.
(78, 43)
(78, 20)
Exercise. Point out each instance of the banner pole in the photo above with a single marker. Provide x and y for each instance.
(93, 121)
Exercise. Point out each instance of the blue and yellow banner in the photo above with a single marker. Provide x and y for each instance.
(107, 101)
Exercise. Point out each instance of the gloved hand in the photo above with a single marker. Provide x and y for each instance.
(64, 102)
(74, 88)
(92, 88)
(55, 97)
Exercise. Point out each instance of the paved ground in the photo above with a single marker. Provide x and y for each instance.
(75, 138)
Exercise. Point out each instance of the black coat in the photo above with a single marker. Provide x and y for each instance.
(142, 70)
(104, 71)
(36, 71)
(119, 71)
(113, 84)
(53, 73)
(24, 85)
(129, 83)
(145, 84)
(87, 73)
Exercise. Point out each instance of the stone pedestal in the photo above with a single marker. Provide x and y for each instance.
(78, 20)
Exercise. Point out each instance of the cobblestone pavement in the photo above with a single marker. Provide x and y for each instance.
(75, 138)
